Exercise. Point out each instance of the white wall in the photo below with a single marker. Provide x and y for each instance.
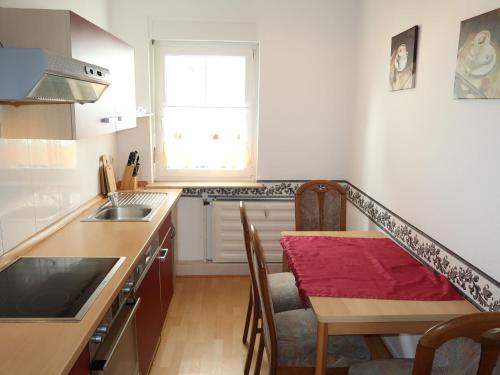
(93, 10)
(306, 70)
(426, 156)
(40, 181)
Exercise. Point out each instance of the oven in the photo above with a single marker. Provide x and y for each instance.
(117, 353)
(113, 347)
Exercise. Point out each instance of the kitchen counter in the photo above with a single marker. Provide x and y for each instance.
(53, 347)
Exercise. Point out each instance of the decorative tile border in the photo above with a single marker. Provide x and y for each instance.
(479, 288)
(275, 190)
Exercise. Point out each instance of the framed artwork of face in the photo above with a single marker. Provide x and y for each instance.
(403, 62)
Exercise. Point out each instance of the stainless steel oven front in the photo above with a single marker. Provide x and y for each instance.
(117, 351)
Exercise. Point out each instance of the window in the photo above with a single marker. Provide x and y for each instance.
(206, 100)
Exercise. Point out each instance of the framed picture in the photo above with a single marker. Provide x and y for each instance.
(478, 59)
(404, 60)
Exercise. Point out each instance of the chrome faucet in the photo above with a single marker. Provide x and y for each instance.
(113, 198)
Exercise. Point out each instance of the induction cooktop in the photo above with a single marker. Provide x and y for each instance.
(53, 288)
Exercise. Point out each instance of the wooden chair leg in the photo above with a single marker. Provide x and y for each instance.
(251, 345)
(260, 353)
(248, 317)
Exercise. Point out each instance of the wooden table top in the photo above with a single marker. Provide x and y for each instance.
(364, 310)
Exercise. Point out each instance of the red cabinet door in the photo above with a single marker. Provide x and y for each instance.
(166, 273)
(165, 228)
(94, 45)
(148, 318)
(82, 364)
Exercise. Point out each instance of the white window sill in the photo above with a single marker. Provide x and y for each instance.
(204, 184)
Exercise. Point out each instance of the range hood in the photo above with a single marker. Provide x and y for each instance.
(33, 75)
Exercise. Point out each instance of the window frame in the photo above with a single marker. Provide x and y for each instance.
(248, 49)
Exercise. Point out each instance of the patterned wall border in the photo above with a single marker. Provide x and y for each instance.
(479, 288)
(272, 190)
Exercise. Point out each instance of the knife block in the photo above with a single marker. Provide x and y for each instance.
(129, 182)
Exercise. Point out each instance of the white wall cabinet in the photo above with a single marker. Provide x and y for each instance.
(269, 217)
(65, 33)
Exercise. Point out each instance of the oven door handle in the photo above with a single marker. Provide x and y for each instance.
(102, 364)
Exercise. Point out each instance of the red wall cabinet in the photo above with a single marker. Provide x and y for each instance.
(66, 33)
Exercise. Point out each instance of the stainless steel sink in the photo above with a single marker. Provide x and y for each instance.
(125, 213)
(129, 207)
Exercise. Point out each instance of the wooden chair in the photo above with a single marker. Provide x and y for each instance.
(285, 295)
(468, 345)
(320, 205)
(289, 337)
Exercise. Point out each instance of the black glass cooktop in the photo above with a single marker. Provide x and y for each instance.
(53, 287)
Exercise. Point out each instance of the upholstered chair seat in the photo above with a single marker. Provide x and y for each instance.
(459, 356)
(284, 292)
(296, 337)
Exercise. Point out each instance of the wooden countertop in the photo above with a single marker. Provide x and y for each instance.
(53, 347)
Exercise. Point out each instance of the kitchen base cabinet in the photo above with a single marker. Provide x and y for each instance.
(82, 364)
(155, 291)
(148, 319)
(166, 228)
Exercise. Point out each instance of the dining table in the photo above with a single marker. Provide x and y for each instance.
(367, 316)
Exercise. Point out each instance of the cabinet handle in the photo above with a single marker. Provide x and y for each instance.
(173, 232)
(112, 119)
(163, 257)
(147, 265)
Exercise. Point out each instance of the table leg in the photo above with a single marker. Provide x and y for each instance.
(285, 267)
(321, 349)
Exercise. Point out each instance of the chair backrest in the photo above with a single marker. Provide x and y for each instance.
(248, 249)
(483, 328)
(320, 205)
(267, 311)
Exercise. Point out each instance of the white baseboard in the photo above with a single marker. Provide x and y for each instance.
(200, 268)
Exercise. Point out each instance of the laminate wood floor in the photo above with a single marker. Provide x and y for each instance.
(204, 326)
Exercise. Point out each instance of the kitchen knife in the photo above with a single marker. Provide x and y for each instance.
(131, 158)
(136, 168)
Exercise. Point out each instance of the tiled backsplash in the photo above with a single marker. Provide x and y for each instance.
(43, 180)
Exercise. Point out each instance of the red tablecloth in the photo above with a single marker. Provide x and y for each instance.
(362, 268)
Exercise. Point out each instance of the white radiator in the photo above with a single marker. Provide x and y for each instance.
(270, 219)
